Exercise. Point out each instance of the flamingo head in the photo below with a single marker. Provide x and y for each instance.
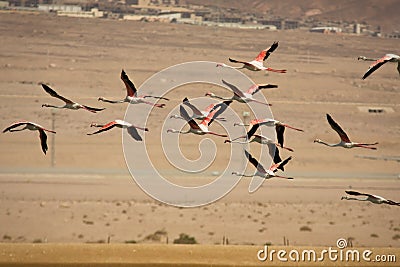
(361, 57)
(210, 94)
(345, 197)
(100, 99)
(220, 65)
(93, 124)
(227, 141)
(317, 141)
(174, 117)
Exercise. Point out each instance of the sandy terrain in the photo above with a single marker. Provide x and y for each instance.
(89, 196)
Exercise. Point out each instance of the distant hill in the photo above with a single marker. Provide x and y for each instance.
(383, 13)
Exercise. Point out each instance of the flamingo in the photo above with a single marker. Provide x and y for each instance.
(379, 62)
(279, 128)
(68, 103)
(368, 197)
(132, 129)
(266, 174)
(272, 146)
(244, 97)
(195, 128)
(201, 115)
(131, 94)
(257, 139)
(258, 63)
(33, 127)
(344, 139)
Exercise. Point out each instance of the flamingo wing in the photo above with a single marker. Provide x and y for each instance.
(280, 165)
(132, 131)
(220, 108)
(43, 140)
(255, 163)
(15, 125)
(376, 65)
(207, 120)
(280, 130)
(195, 110)
(237, 61)
(55, 94)
(355, 193)
(263, 55)
(188, 119)
(235, 90)
(257, 87)
(130, 87)
(391, 202)
(338, 129)
(106, 127)
(252, 130)
(91, 109)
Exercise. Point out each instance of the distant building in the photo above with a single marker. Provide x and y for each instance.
(326, 29)
(93, 13)
(280, 24)
(64, 8)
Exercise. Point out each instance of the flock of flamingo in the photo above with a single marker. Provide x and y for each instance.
(213, 112)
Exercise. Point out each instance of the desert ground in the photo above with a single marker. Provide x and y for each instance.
(82, 191)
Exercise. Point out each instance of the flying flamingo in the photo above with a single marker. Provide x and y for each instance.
(379, 62)
(344, 139)
(33, 127)
(132, 129)
(195, 128)
(257, 139)
(68, 103)
(272, 146)
(131, 94)
(201, 115)
(266, 174)
(279, 128)
(368, 197)
(244, 97)
(258, 63)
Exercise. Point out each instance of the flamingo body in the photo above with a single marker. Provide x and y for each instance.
(69, 104)
(380, 62)
(244, 97)
(32, 127)
(258, 63)
(344, 139)
(132, 96)
(261, 171)
(132, 129)
(369, 197)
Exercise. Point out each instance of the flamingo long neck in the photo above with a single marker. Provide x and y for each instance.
(354, 198)
(366, 59)
(221, 98)
(111, 101)
(331, 145)
(52, 106)
(242, 174)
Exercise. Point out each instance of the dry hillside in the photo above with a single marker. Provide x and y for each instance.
(376, 13)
